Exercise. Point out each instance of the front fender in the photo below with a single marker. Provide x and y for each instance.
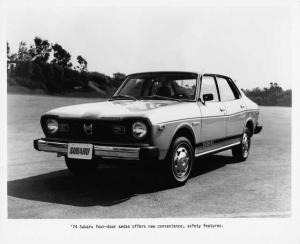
(163, 138)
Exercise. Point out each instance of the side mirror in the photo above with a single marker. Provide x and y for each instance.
(208, 97)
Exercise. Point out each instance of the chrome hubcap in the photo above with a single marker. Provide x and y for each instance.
(181, 162)
(245, 145)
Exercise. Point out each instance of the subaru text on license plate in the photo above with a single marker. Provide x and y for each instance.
(80, 151)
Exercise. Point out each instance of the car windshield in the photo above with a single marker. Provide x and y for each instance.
(160, 86)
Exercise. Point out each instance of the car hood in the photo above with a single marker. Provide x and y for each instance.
(110, 109)
(156, 111)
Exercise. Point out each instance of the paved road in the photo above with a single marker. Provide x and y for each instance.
(39, 186)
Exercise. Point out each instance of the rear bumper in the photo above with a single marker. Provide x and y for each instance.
(100, 151)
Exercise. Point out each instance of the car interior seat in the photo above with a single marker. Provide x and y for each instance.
(164, 91)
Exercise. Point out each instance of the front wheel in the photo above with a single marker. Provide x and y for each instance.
(241, 152)
(81, 167)
(180, 161)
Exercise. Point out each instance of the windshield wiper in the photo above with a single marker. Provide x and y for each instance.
(120, 96)
(162, 98)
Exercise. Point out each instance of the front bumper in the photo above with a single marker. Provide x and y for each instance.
(257, 129)
(100, 151)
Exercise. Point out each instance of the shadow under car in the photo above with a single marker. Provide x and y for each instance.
(106, 187)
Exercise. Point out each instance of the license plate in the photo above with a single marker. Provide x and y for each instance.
(80, 151)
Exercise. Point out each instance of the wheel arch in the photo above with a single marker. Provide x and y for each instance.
(250, 125)
(185, 130)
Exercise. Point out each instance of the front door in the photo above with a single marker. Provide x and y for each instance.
(212, 113)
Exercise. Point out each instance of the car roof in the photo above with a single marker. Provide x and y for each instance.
(165, 72)
(180, 72)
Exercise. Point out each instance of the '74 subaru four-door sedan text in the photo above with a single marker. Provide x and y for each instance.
(167, 118)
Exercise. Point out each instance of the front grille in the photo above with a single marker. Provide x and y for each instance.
(102, 130)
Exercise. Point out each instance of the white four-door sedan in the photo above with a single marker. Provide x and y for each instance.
(167, 118)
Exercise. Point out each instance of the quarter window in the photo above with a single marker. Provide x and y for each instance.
(208, 86)
(225, 90)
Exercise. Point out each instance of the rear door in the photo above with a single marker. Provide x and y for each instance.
(212, 112)
(235, 109)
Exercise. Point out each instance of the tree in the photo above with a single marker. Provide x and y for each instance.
(82, 63)
(40, 50)
(7, 55)
(10, 57)
(61, 56)
(23, 53)
(7, 49)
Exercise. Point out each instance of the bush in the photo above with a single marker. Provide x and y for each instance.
(53, 78)
(271, 96)
(25, 82)
(117, 79)
(99, 79)
(23, 69)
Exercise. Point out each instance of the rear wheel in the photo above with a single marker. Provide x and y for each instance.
(81, 167)
(241, 152)
(180, 161)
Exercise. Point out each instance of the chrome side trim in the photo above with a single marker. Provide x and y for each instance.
(109, 152)
(217, 149)
(209, 117)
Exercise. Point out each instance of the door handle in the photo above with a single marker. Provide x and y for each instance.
(195, 123)
(242, 106)
(222, 109)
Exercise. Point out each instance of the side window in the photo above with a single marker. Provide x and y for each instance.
(185, 88)
(208, 85)
(225, 90)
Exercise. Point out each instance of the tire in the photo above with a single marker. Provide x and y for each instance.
(81, 167)
(179, 161)
(241, 152)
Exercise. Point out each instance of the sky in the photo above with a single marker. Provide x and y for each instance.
(250, 43)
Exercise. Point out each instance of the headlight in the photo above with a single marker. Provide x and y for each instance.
(139, 130)
(52, 126)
